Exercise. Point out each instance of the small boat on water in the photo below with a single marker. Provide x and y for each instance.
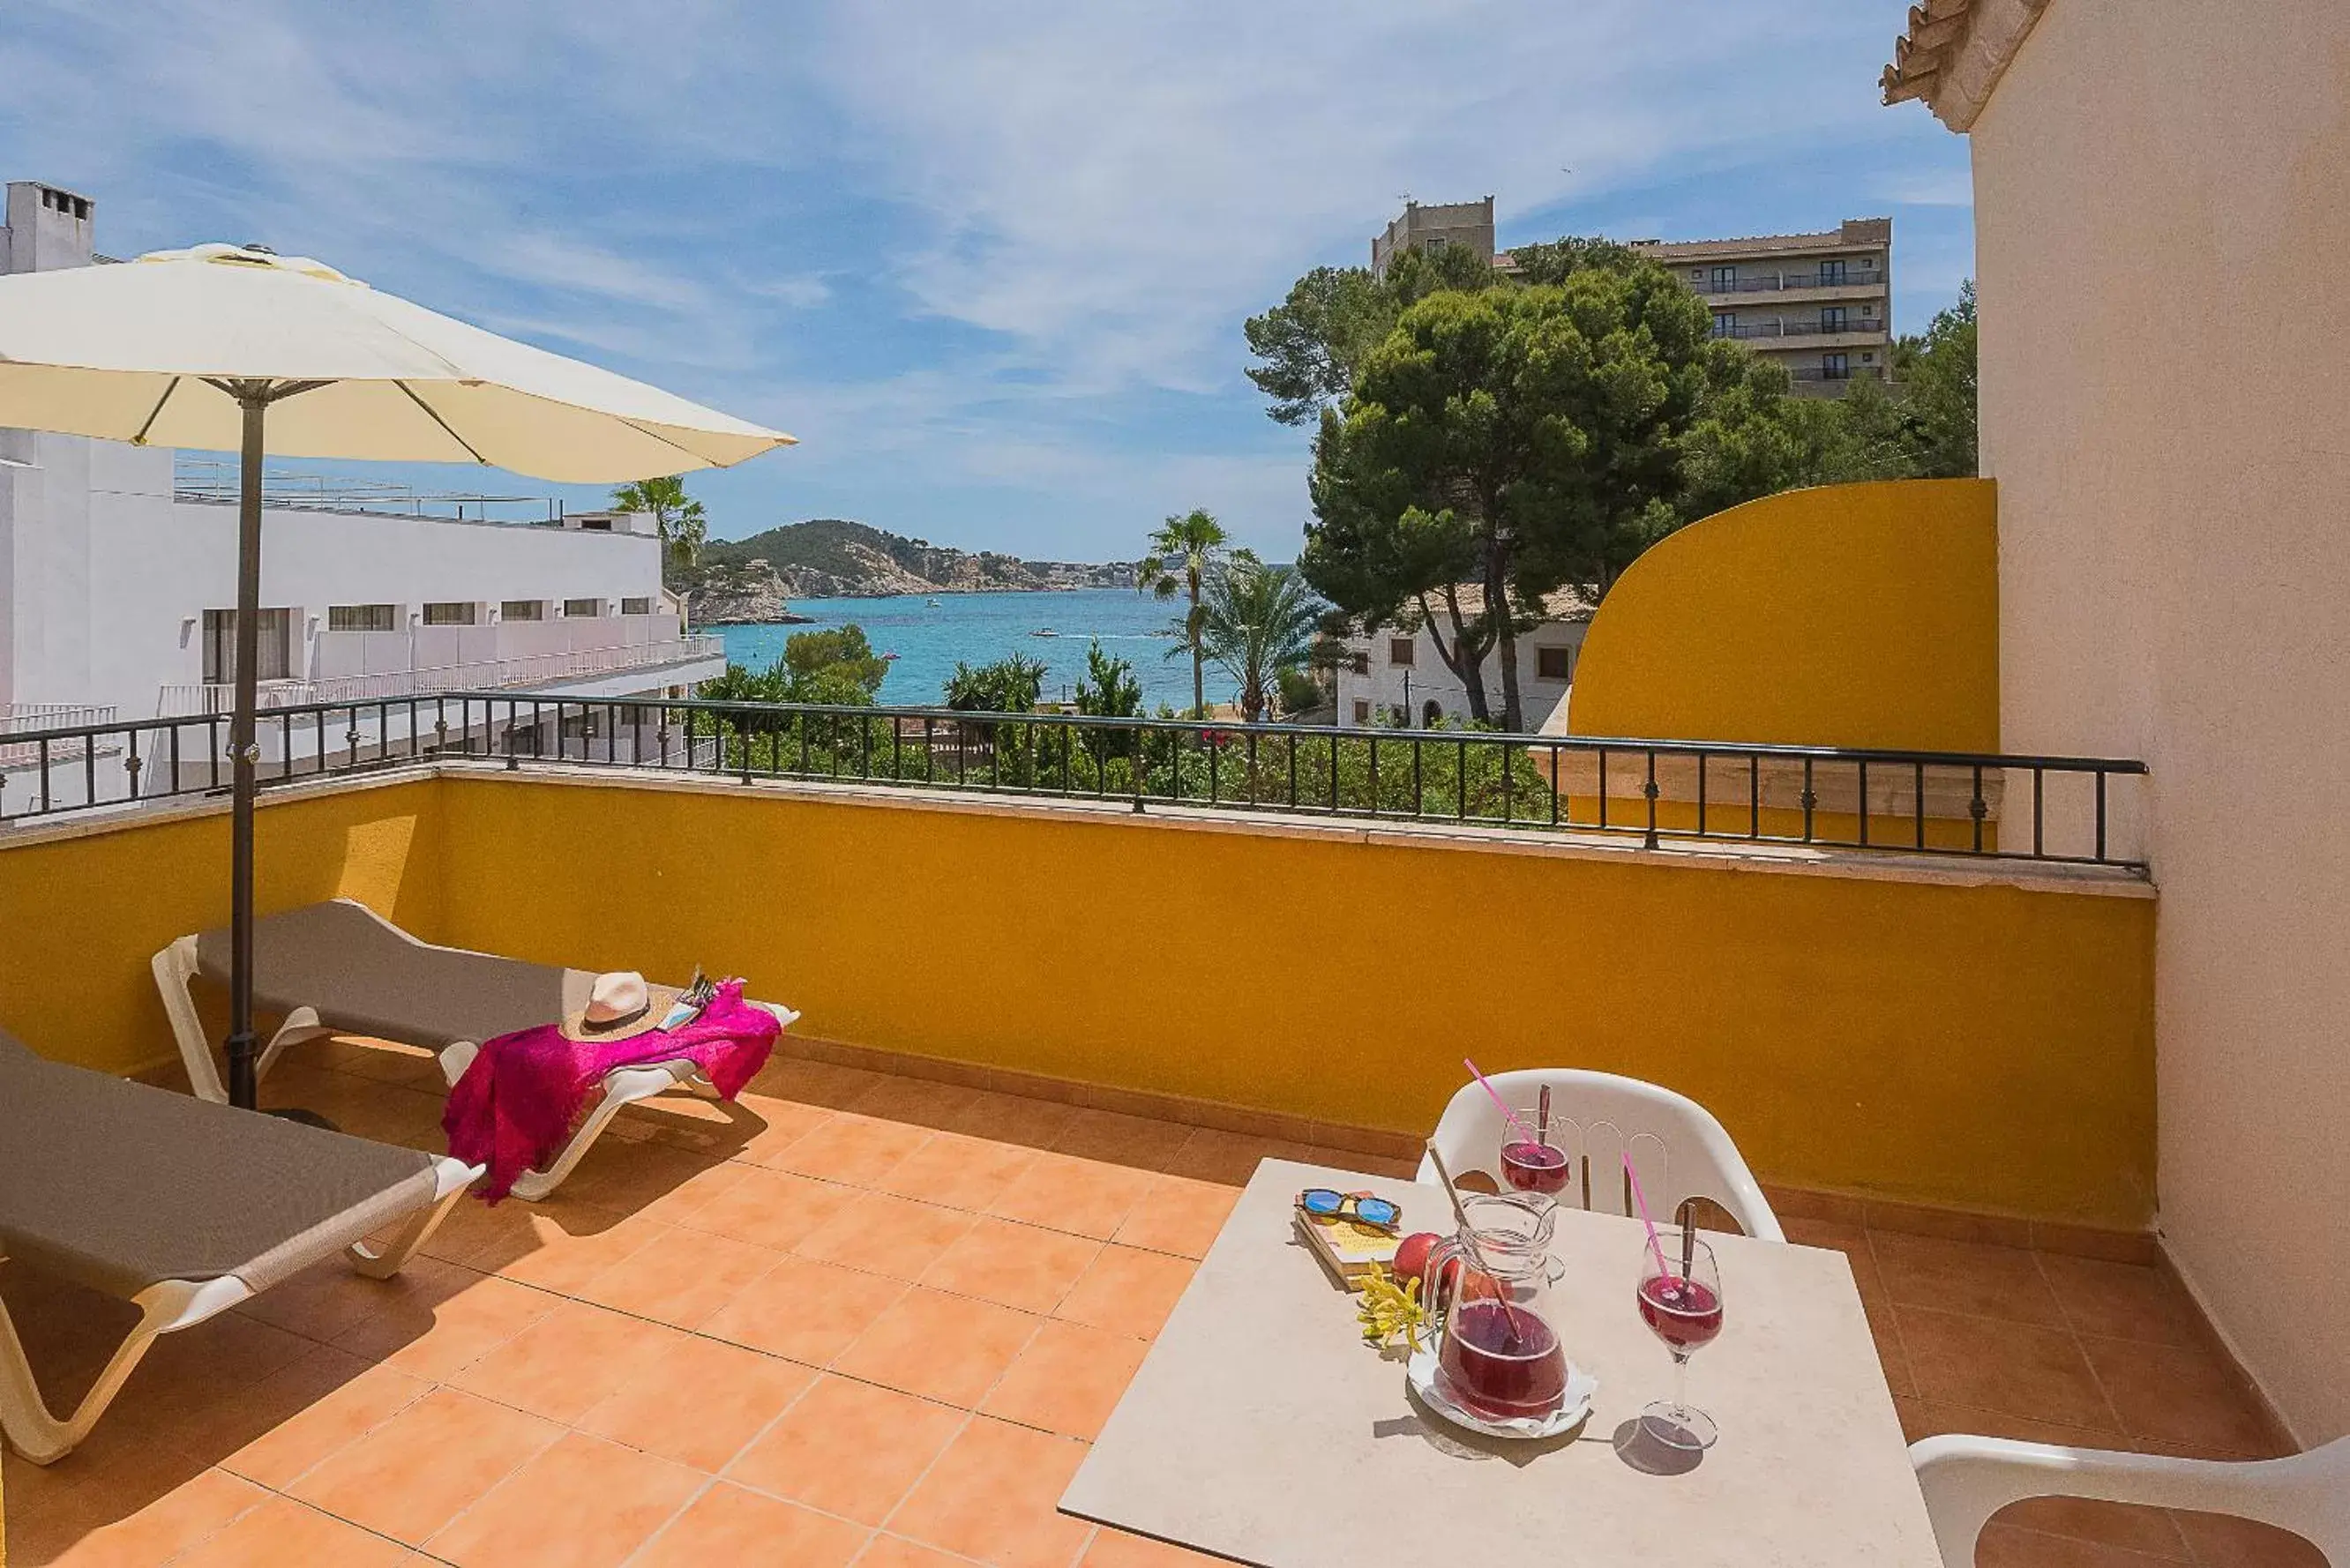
(930, 604)
(1043, 631)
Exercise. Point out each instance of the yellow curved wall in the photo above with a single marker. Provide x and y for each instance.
(1850, 615)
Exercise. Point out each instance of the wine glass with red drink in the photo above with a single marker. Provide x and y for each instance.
(1681, 1301)
(1534, 1163)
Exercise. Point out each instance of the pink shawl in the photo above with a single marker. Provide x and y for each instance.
(517, 1103)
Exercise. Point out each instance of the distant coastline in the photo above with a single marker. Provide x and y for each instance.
(781, 618)
(752, 582)
(792, 618)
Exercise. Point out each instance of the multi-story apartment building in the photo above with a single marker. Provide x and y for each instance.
(1819, 304)
(118, 574)
(1424, 226)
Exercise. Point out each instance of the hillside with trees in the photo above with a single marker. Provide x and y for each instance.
(754, 580)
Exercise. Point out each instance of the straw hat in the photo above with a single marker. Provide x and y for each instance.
(619, 1006)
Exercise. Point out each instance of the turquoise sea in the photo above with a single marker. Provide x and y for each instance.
(928, 639)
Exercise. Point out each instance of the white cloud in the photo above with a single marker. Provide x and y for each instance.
(967, 246)
(573, 266)
(805, 292)
(1113, 185)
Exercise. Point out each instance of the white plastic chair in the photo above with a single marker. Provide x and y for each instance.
(1968, 1480)
(1679, 1149)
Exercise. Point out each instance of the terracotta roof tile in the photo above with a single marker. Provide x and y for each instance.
(1954, 53)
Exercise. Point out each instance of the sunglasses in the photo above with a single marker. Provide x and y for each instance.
(1326, 1203)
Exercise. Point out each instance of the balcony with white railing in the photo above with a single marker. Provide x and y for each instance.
(25, 718)
(334, 655)
(68, 737)
(553, 668)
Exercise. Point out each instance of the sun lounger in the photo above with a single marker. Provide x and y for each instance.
(339, 968)
(183, 1208)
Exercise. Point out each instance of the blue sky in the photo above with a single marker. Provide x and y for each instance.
(989, 262)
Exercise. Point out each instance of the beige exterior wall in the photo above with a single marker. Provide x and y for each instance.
(2163, 215)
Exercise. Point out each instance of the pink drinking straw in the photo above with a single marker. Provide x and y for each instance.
(1510, 1115)
(1637, 1197)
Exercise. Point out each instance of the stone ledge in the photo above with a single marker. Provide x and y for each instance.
(89, 821)
(1731, 855)
(1725, 855)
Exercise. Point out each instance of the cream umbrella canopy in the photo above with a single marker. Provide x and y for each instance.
(225, 347)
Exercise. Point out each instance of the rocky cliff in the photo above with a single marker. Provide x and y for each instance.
(754, 579)
(748, 595)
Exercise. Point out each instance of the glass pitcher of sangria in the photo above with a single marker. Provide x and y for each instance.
(1492, 1310)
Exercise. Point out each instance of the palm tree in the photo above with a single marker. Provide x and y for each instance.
(1256, 621)
(677, 515)
(1182, 553)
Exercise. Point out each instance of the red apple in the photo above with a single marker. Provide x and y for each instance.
(1466, 1283)
(1411, 1254)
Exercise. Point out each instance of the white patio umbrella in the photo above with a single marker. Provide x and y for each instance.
(225, 347)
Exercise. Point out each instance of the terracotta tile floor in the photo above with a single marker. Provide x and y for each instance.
(875, 1321)
(2050, 1347)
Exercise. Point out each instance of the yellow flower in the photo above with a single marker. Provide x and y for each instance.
(1389, 1311)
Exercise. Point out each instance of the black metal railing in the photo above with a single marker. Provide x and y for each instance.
(1814, 328)
(1856, 278)
(2046, 808)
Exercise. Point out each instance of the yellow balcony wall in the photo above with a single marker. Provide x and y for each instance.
(1977, 1037)
(85, 905)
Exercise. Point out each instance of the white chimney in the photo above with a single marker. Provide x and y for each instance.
(47, 228)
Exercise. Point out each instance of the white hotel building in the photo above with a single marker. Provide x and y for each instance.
(1394, 675)
(118, 574)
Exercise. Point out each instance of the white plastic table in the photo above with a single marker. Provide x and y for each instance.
(1262, 1429)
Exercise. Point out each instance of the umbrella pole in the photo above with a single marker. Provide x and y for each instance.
(243, 1049)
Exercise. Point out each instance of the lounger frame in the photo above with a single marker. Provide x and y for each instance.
(175, 971)
(170, 1304)
(623, 1087)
